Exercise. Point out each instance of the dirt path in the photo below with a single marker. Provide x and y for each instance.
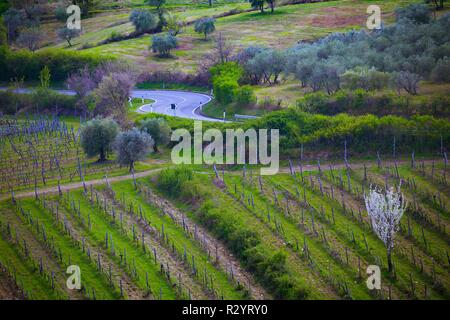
(8, 289)
(78, 185)
(96, 182)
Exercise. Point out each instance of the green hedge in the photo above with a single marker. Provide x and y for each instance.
(359, 102)
(41, 101)
(365, 134)
(23, 63)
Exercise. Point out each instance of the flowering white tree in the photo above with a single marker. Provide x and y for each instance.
(385, 210)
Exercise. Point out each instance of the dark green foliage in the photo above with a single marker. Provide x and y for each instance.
(4, 5)
(97, 137)
(22, 63)
(60, 13)
(441, 72)
(418, 13)
(157, 3)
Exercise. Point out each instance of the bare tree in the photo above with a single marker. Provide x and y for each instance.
(221, 53)
(112, 94)
(30, 39)
(385, 210)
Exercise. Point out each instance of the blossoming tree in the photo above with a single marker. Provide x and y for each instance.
(385, 210)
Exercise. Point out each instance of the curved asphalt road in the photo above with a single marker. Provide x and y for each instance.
(188, 103)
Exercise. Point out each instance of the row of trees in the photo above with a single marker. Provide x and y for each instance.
(21, 23)
(101, 136)
(401, 55)
(260, 4)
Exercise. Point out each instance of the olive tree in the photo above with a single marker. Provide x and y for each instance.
(407, 81)
(68, 34)
(385, 210)
(164, 44)
(30, 39)
(13, 19)
(158, 129)
(258, 4)
(132, 146)
(205, 25)
(157, 3)
(97, 136)
(143, 20)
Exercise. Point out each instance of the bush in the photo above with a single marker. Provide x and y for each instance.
(245, 96)
(172, 180)
(225, 79)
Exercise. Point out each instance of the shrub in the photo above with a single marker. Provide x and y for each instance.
(245, 96)
(225, 79)
(172, 180)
